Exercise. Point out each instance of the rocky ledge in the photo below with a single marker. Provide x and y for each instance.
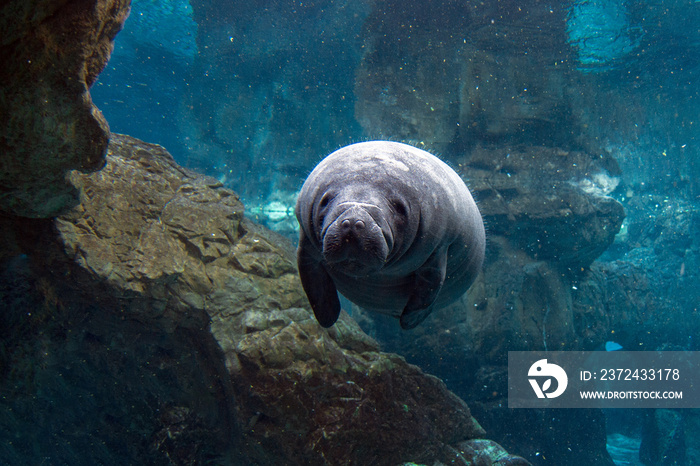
(154, 323)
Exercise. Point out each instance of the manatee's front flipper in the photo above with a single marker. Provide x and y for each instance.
(318, 285)
(409, 321)
(426, 286)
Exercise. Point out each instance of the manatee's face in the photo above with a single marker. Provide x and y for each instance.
(357, 237)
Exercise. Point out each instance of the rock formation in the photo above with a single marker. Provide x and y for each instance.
(166, 321)
(51, 53)
(465, 72)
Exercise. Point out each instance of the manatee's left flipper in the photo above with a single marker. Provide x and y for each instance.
(409, 321)
(428, 281)
(318, 285)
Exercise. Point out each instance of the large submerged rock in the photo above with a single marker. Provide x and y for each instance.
(552, 203)
(51, 53)
(183, 331)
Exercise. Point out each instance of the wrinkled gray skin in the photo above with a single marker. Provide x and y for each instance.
(391, 227)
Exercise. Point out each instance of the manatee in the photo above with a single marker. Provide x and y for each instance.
(391, 227)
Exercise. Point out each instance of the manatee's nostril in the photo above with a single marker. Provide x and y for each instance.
(345, 223)
(359, 225)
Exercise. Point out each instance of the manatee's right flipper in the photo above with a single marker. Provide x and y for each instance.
(318, 285)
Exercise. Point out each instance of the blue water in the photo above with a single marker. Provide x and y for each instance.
(256, 93)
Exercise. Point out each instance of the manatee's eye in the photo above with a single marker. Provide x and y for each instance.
(321, 211)
(399, 207)
(325, 200)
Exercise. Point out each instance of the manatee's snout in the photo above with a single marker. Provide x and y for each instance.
(355, 243)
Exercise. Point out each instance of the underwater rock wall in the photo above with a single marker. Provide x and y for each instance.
(645, 291)
(492, 87)
(462, 72)
(51, 53)
(496, 90)
(670, 437)
(175, 331)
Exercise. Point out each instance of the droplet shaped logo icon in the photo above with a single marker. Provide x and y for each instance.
(543, 370)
